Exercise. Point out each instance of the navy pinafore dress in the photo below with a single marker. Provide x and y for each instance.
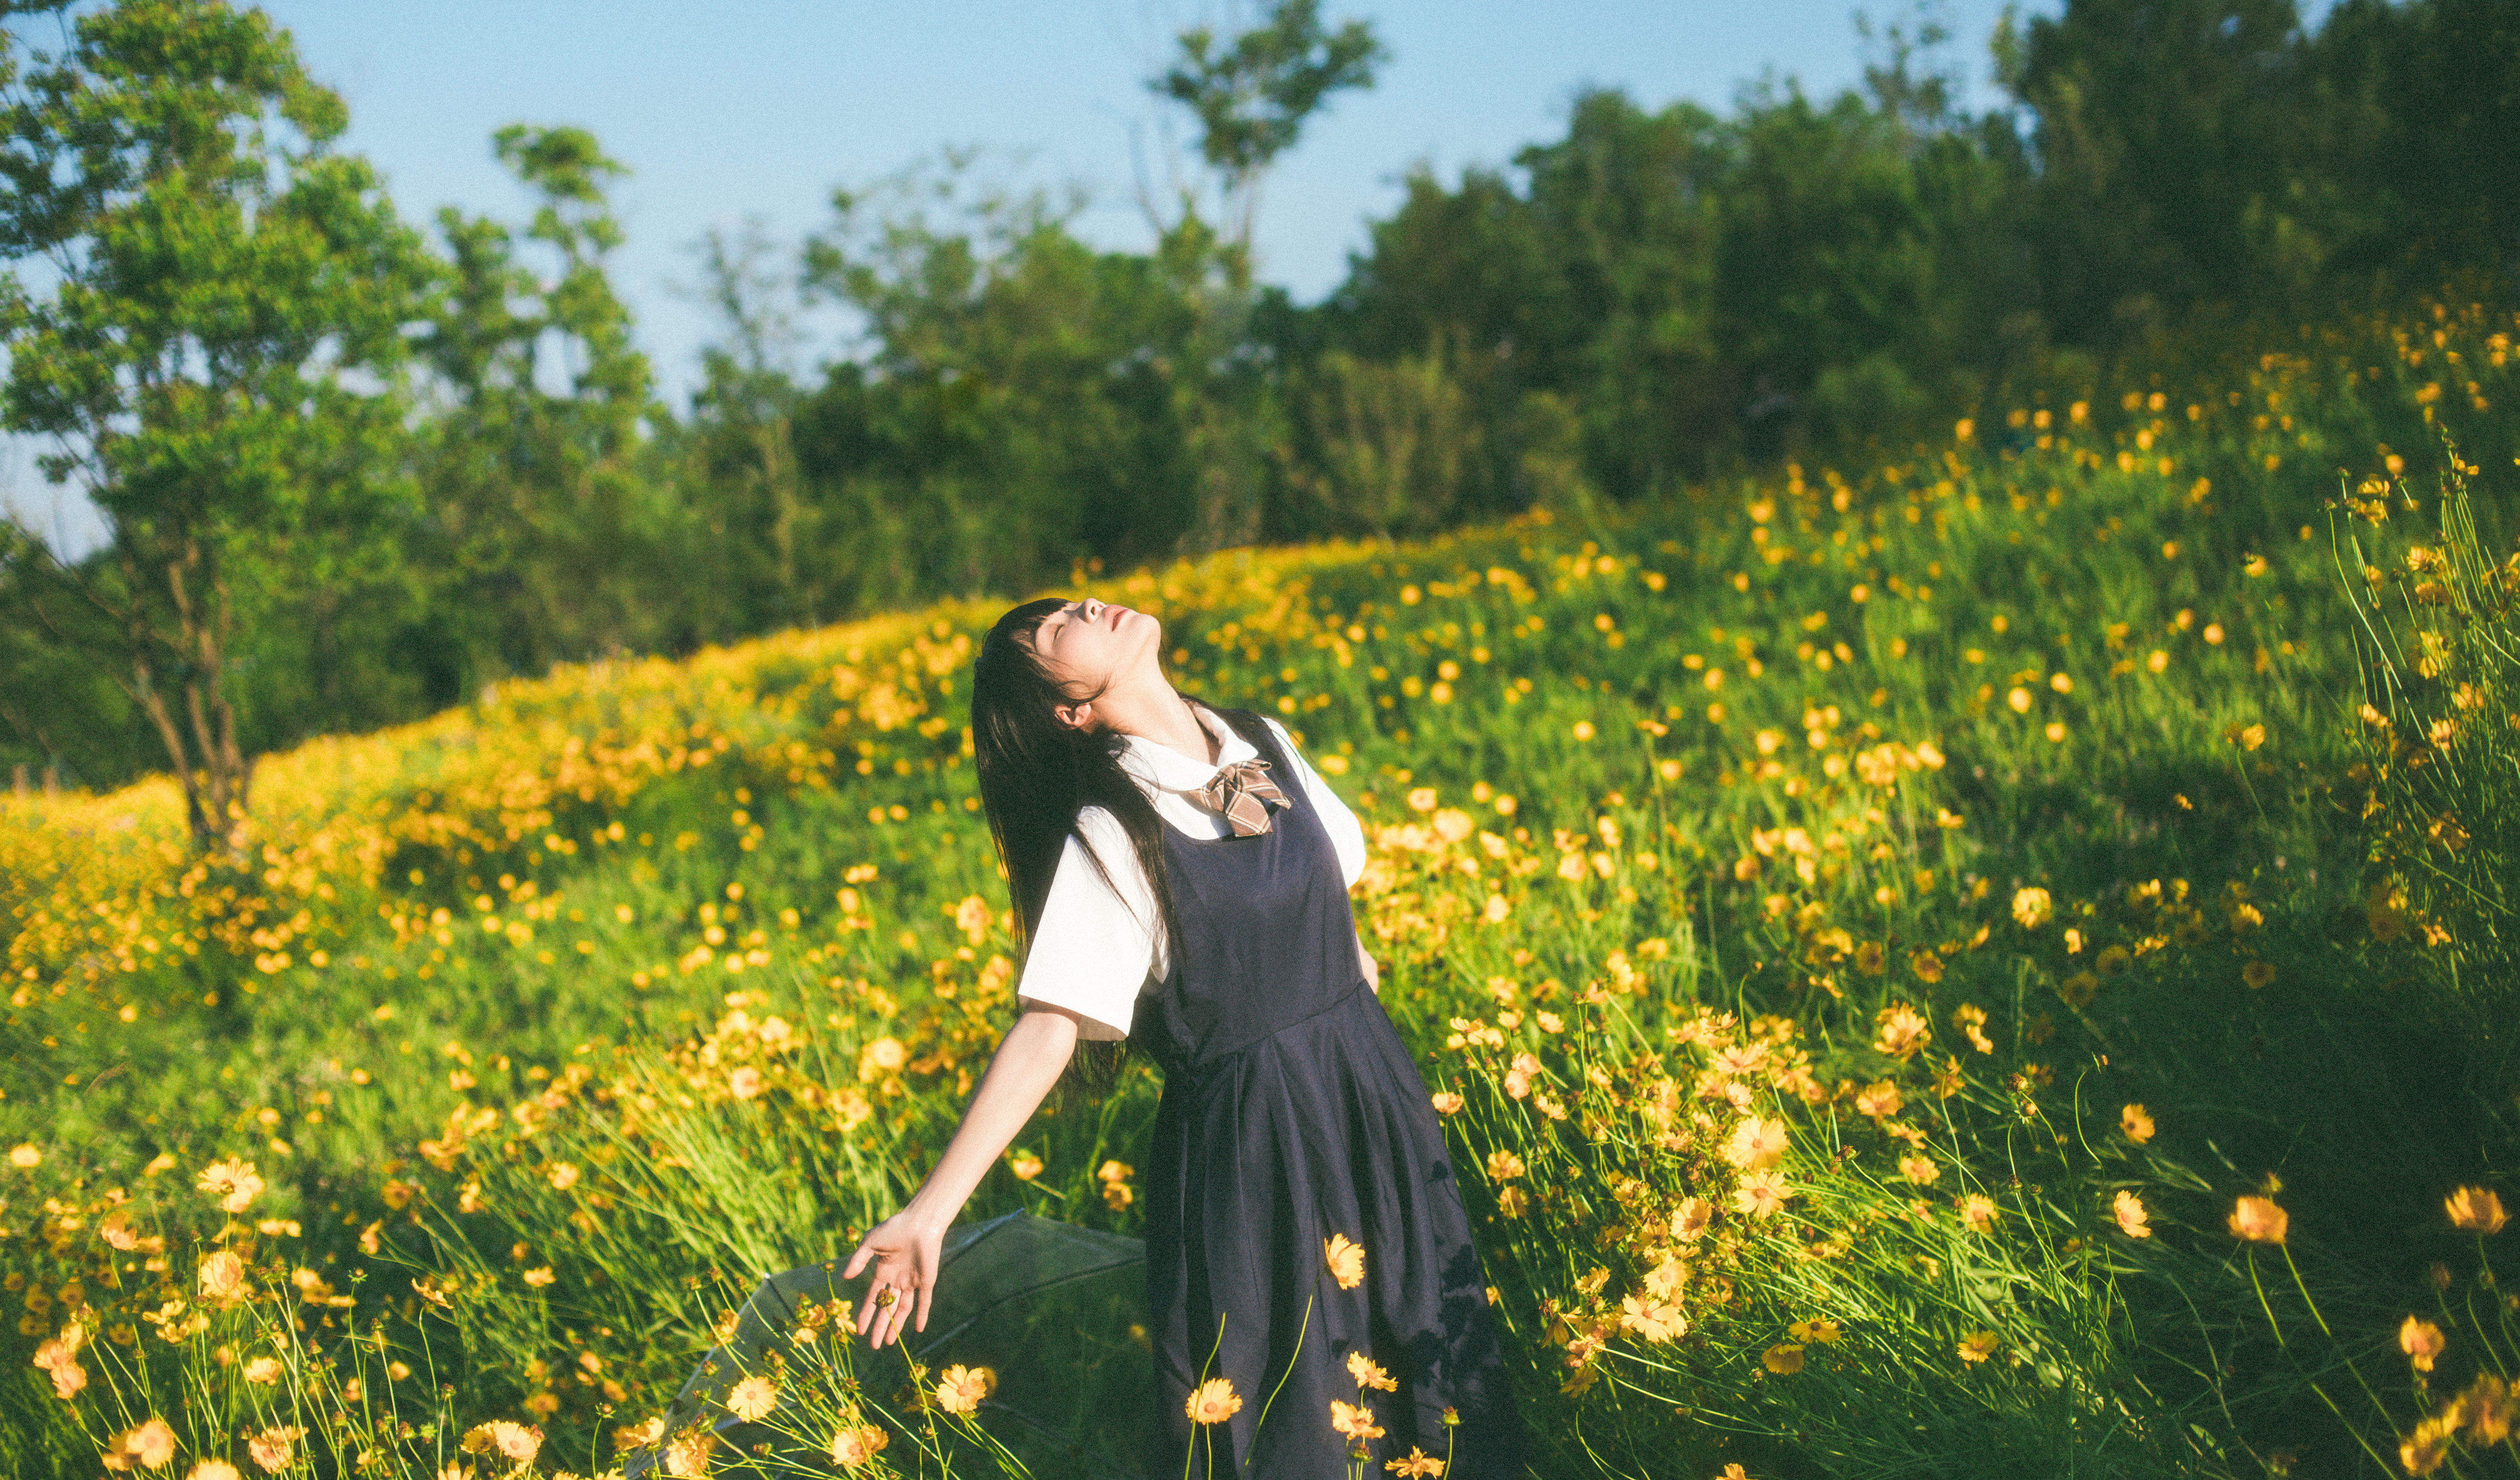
(1292, 1112)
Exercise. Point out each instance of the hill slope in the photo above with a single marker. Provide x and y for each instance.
(1913, 812)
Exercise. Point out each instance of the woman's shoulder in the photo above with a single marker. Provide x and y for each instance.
(1100, 830)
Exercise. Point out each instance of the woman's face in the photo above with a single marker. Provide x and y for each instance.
(1088, 645)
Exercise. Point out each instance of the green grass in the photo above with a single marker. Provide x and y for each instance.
(1576, 665)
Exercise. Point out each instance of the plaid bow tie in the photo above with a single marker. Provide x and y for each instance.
(1243, 793)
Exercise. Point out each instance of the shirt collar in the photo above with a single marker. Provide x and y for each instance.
(1154, 764)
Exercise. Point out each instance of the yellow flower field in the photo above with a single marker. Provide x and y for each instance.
(1923, 970)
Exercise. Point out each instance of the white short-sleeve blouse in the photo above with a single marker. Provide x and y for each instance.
(1100, 945)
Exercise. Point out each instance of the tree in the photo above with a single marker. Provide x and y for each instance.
(1013, 404)
(552, 537)
(212, 342)
(1251, 96)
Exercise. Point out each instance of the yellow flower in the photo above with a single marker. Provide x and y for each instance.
(1503, 1166)
(2421, 1341)
(853, 1448)
(1368, 1375)
(1977, 1346)
(233, 1183)
(25, 1156)
(1979, 1212)
(2136, 1122)
(2257, 974)
(1213, 1402)
(541, 1276)
(514, 1441)
(1821, 1331)
(263, 1370)
(2032, 908)
(1417, 1465)
(1919, 1170)
(752, 1399)
(1653, 1320)
(687, 1457)
(1970, 1019)
(149, 1445)
(214, 1469)
(1446, 1103)
(271, 1449)
(2259, 1220)
(2133, 1219)
(222, 1276)
(1879, 1100)
(1347, 1261)
(1353, 1420)
(1688, 1221)
(1025, 1165)
(960, 1389)
(1756, 1143)
(2477, 1209)
(1899, 1031)
(1783, 1359)
(1760, 1194)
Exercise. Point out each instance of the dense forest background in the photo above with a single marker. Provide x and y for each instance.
(356, 468)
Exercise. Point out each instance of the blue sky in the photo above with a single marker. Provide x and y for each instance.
(758, 109)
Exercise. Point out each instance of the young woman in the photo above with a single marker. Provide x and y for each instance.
(1182, 877)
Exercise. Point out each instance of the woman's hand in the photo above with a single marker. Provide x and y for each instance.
(907, 1248)
(906, 1252)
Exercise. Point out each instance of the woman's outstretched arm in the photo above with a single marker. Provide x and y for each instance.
(907, 1247)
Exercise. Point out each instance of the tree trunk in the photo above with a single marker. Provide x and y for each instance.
(202, 747)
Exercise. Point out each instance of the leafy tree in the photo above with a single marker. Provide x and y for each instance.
(1252, 96)
(742, 443)
(548, 529)
(2167, 134)
(1013, 403)
(207, 328)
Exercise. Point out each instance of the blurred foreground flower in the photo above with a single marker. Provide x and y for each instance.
(233, 1182)
(149, 1445)
(1347, 1261)
(1213, 1402)
(960, 1389)
(2422, 1342)
(513, 1441)
(2477, 1209)
(2259, 1220)
(1370, 1374)
(858, 1446)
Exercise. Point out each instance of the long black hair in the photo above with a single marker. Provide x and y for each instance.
(1037, 775)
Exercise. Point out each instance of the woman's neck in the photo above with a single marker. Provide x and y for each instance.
(1152, 709)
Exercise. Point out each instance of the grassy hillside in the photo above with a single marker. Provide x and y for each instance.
(1871, 934)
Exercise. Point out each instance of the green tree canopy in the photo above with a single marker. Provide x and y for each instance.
(208, 324)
